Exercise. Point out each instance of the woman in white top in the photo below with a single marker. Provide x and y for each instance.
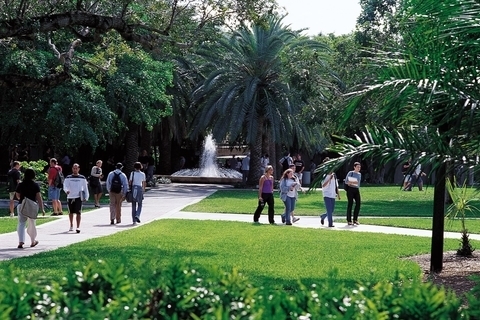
(330, 192)
(96, 183)
(289, 187)
(137, 184)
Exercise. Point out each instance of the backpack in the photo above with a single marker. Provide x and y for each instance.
(116, 185)
(59, 179)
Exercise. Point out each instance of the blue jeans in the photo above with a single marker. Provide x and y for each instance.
(137, 202)
(289, 208)
(330, 206)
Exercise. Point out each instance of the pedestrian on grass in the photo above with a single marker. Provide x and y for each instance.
(406, 174)
(265, 195)
(417, 178)
(76, 188)
(28, 188)
(137, 184)
(330, 193)
(353, 180)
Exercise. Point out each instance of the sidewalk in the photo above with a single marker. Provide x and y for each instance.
(164, 202)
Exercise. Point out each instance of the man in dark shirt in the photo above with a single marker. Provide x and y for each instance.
(13, 181)
(299, 167)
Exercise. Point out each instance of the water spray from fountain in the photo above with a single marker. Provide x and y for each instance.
(208, 164)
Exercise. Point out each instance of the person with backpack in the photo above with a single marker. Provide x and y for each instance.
(117, 187)
(286, 162)
(55, 184)
(13, 181)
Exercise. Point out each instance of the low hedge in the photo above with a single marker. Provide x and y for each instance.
(99, 290)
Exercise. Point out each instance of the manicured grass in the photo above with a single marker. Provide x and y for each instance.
(8, 224)
(268, 255)
(376, 201)
(473, 225)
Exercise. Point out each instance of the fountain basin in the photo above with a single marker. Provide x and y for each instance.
(205, 180)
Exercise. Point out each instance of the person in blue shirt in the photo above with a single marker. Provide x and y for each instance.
(353, 179)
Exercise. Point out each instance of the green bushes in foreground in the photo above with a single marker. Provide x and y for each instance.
(101, 290)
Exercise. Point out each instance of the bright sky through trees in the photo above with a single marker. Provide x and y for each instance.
(325, 16)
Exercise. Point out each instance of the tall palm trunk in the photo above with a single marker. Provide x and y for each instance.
(438, 221)
(255, 155)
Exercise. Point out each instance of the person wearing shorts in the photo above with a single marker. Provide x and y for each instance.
(53, 191)
(76, 188)
(13, 181)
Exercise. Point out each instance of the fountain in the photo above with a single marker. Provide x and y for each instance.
(209, 172)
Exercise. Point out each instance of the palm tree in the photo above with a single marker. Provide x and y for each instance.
(246, 93)
(428, 88)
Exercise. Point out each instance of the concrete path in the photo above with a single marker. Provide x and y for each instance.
(163, 202)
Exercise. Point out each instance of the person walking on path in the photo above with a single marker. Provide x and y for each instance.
(53, 190)
(117, 187)
(330, 192)
(13, 181)
(28, 188)
(96, 183)
(76, 188)
(289, 187)
(353, 193)
(137, 183)
(265, 196)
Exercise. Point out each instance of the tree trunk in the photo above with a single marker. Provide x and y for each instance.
(255, 155)
(146, 140)
(165, 161)
(131, 148)
(436, 259)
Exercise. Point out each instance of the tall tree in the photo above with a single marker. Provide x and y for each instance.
(430, 89)
(246, 91)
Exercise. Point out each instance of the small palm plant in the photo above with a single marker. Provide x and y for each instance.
(462, 199)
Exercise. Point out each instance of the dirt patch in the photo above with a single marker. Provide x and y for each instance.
(456, 271)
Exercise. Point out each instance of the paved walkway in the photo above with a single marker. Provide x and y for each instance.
(163, 202)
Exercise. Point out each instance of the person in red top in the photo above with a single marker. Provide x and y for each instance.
(53, 191)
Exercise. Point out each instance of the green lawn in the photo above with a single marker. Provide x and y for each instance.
(268, 255)
(8, 224)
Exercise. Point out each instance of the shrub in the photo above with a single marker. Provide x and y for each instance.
(100, 290)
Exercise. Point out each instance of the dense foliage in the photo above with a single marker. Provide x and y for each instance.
(99, 290)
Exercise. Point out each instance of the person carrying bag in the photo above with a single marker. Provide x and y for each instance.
(30, 197)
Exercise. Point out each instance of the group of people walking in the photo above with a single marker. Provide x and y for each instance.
(76, 188)
(290, 185)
